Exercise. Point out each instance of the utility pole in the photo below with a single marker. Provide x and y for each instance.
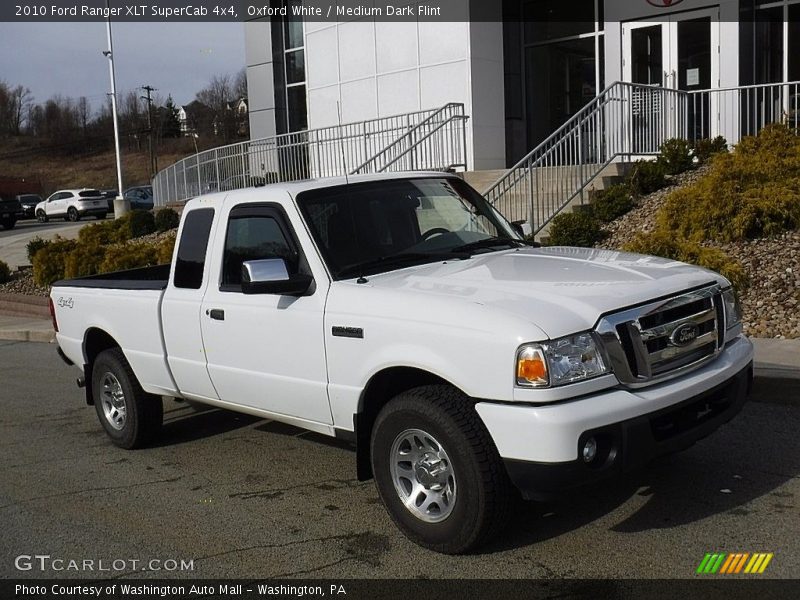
(153, 160)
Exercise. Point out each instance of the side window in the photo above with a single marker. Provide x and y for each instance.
(254, 236)
(66, 195)
(191, 257)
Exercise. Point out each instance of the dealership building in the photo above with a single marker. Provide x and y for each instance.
(521, 69)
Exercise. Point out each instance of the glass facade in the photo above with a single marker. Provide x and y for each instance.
(554, 66)
(770, 41)
(289, 72)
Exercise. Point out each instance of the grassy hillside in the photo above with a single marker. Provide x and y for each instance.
(96, 170)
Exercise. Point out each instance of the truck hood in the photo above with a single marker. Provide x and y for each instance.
(560, 290)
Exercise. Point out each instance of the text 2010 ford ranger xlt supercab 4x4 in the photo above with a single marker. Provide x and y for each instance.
(405, 314)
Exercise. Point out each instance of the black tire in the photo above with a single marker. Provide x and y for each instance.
(9, 224)
(41, 216)
(101, 217)
(72, 215)
(484, 493)
(144, 412)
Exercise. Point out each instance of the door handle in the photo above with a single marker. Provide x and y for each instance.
(216, 313)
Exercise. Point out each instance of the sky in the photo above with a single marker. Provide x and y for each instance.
(67, 59)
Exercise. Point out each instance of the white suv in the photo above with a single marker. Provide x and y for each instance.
(72, 205)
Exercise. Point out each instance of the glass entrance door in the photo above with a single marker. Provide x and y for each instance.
(679, 52)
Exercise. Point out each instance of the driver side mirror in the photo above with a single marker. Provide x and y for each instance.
(271, 276)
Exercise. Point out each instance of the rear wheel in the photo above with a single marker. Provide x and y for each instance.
(41, 216)
(72, 214)
(131, 417)
(9, 223)
(101, 217)
(438, 471)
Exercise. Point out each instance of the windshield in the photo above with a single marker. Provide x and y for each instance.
(30, 199)
(367, 228)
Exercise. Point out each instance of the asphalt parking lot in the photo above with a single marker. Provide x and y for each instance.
(244, 497)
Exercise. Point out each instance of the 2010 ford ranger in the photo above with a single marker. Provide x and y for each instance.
(405, 314)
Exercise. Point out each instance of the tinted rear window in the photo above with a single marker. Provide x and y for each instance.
(191, 258)
(89, 193)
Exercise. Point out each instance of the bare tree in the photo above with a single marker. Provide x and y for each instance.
(84, 113)
(240, 84)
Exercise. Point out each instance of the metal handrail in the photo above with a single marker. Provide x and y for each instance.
(625, 121)
(321, 152)
(363, 168)
(420, 143)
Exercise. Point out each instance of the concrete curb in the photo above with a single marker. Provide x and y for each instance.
(27, 335)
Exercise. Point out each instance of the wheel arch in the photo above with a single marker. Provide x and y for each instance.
(95, 341)
(380, 389)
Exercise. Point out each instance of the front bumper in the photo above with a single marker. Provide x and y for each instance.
(540, 445)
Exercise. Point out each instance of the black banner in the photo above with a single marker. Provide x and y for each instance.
(718, 587)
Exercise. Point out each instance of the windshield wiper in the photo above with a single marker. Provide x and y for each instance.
(398, 260)
(492, 242)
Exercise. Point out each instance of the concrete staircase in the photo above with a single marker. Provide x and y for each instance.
(548, 190)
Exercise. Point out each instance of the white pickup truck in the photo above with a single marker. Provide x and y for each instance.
(404, 314)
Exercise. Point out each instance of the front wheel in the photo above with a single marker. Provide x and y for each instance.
(131, 417)
(9, 223)
(41, 216)
(438, 471)
(72, 215)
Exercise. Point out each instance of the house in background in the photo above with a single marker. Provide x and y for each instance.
(192, 116)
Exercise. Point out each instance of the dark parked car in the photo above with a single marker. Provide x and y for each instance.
(109, 195)
(141, 197)
(9, 207)
(28, 204)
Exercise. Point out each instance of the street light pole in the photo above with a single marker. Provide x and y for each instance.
(120, 204)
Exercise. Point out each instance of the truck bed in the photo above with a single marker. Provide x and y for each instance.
(146, 278)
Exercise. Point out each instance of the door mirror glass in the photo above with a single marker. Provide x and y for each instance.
(271, 276)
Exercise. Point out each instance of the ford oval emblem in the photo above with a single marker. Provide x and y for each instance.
(664, 3)
(684, 334)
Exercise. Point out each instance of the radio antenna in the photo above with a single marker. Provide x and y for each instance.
(341, 144)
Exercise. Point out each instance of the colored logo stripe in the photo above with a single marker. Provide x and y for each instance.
(734, 562)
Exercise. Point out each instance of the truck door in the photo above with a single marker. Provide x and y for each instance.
(265, 351)
(180, 309)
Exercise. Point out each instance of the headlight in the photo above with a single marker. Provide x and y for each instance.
(733, 311)
(561, 361)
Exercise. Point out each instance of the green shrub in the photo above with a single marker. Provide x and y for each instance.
(166, 219)
(751, 192)
(646, 177)
(5, 272)
(676, 156)
(611, 203)
(129, 256)
(49, 261)
(575, 229)
(666, 245)
(107, 232)
(137, 223)
(165, 249)
(704, 149)
(84, 260)
(34, 246)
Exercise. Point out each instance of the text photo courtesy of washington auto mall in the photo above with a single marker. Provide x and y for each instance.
(389, 299)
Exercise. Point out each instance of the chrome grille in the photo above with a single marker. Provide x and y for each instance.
(665, 338)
